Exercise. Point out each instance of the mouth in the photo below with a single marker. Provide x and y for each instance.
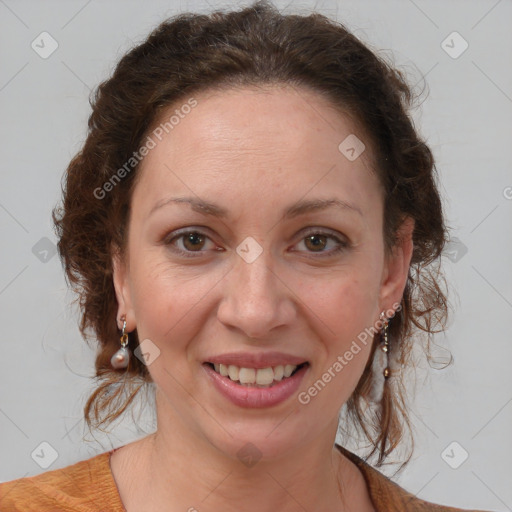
(256, 377)
(250, 387)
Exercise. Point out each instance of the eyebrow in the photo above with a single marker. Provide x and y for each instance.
(299, 208)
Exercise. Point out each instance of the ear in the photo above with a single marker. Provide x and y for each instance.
(396, 268)
(123, 291)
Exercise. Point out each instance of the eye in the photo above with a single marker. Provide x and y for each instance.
(188, 242)
(319, 241)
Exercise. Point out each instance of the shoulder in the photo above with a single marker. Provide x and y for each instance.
(85, 486)
(387, 495)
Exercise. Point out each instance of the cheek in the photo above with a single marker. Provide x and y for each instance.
(347, 312)
(347, 305)
(347, 301)
(168, 301)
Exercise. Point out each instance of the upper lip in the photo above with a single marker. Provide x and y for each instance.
(256, 360)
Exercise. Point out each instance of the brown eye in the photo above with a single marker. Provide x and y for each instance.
(316, 242)
(189, 243)
(322, 244)
(193, 241)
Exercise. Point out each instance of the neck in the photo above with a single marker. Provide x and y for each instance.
(183, 468)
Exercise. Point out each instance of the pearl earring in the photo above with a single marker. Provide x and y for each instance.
(122, 357)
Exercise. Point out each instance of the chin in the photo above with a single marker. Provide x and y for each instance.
(254, 446)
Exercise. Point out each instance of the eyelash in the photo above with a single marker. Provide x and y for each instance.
(342, 245)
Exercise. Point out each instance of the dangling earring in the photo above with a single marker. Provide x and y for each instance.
(385, 345)
(122, 357)
(380, 365)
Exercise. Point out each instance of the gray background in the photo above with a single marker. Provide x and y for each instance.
(466, 118)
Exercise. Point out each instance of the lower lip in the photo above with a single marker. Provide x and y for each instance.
(244, 396)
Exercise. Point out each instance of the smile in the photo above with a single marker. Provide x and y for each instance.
(256, 387)
(256, 377)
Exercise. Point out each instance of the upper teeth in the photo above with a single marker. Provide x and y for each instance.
(260, 376)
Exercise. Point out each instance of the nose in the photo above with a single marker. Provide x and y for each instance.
(256, 299)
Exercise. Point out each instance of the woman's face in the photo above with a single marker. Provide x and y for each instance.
(252, 234)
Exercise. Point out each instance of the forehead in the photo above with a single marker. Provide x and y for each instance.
(285, 138)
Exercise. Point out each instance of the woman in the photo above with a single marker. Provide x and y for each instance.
(252, 226)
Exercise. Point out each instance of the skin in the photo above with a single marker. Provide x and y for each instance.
(254, 152)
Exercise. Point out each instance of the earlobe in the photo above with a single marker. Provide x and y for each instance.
(122, 289)
(397, 267)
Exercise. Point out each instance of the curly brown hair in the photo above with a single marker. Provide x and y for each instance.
(257, 45)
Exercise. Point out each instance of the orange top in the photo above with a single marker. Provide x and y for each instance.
(89, 486)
